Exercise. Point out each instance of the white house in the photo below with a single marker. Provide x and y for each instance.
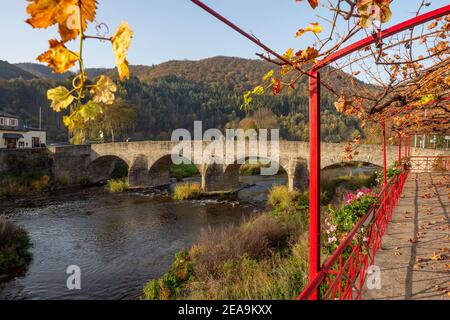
(14, 135)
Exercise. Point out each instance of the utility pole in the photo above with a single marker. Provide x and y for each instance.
(40, 127)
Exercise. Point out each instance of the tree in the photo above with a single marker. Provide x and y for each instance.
(117, 118)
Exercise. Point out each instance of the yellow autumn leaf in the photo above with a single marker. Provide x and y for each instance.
(121, 43)
(289, 54)
(65, 13)
(103, 91)
(447, 80)
(268, 75)
(313, 27)
(58, 57)
(60, 97)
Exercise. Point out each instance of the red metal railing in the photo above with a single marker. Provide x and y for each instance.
(422, 164)
(343, 275)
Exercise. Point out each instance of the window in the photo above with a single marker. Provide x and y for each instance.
(13, 122)
(2, 121)
(36, 142)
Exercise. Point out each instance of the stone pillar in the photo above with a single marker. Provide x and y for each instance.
(138, 175)
(216, 178)
(298, 174)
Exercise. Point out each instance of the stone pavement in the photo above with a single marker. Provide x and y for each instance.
(414, 261)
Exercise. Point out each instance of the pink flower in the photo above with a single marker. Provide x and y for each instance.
(332, 240)
(366, 239)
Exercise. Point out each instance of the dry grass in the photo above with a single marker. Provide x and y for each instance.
(117, 185)
(281, 197)
(187, 191)
(6, 230)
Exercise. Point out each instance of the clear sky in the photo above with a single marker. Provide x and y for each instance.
(177, 29)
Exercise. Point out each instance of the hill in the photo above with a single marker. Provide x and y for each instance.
(41, 71)
(9, 71)
(174, 94)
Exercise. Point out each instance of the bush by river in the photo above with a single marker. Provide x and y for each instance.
(14, 250)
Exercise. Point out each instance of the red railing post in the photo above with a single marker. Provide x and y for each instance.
(383, 129)
(399, 150)
(314, 178)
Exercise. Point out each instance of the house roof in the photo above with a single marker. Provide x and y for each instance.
(8, 116)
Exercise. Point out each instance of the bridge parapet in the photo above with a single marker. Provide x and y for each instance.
(149, 161)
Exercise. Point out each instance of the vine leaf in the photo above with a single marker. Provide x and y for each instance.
(58, 57)
(90, 111)
(104, 90)
(313, 27)
(307, 55)
(312, 3)
(374, 10)
(121, 43)
(60, 97)
(268, 75)
(65, 13)
(277, 86)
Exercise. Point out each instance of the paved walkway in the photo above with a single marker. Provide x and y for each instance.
(415, 261)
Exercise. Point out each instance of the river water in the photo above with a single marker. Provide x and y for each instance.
(119, 241)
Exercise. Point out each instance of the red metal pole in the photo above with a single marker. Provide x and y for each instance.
(314, 178)
(383, 128)
(405, 25)
(399, 150)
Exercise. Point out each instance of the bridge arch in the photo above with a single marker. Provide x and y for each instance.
(226, 177)
(107, 167)
(159, 171)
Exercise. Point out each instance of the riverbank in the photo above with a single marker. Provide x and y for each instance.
(265, 257)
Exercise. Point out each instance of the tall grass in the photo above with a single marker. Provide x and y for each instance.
(117, 185)
(187, 191)
(265, 257)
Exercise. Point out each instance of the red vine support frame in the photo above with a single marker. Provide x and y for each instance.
(392, 190)
(388, 201)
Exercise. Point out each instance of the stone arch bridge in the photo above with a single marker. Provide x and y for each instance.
(149, 162)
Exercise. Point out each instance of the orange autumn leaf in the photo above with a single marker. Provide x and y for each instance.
(58, 57)
(307, 55)
(277, 86)
(121, 43)
(65, 13)
(312, 3)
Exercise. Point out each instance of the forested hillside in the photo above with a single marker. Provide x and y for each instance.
(176, 93)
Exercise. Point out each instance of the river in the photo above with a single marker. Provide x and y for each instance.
(119, 241)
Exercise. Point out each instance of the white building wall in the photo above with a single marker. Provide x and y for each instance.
(27, 138)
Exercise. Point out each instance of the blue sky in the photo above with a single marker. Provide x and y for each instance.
(177, 29)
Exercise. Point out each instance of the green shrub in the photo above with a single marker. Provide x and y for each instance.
(187, 191)
(182, 171)
(169, 286)
(14, 250)
(117, 185)
(14, 184)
